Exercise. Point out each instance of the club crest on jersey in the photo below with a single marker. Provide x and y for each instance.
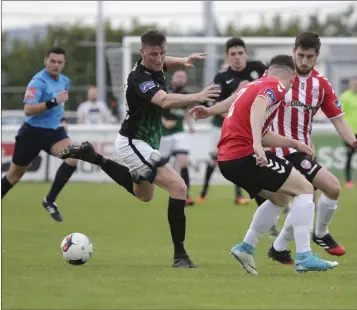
(270, 95)
(306, 164)
(146, 86)
(338, 104)
(315, 92)
(254, 75)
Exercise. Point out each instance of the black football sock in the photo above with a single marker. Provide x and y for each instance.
(348, 165)
(186, 177)
(209, 171)
(63, 174)
(238, 191)
(5, 186)
(117, 172)
(177, 221)
(260, 200)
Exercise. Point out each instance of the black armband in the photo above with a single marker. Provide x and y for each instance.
(51, 103)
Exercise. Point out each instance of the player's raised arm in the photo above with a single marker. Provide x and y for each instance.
(187, 62)
(169, 101)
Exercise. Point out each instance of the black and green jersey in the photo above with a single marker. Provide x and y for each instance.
(177, 115)
(229, 81)
(143, 120)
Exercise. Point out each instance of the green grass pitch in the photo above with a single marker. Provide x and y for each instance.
(130, 268)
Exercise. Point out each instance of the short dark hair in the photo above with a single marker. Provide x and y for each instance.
(234, 42)
(283, 60)
(55, 50)
(153, 38)
(307, 40)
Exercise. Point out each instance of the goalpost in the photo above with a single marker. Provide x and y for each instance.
(259, 48)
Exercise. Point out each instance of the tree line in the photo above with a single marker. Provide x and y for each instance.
(22, 58)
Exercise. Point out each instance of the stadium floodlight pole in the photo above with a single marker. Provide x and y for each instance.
(210, 48)
(100, 54)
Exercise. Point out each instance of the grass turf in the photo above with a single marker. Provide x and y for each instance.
(130, 268)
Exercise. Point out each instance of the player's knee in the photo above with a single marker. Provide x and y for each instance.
(178, 190)
(71, 162)
(334, 190)
(144, 198)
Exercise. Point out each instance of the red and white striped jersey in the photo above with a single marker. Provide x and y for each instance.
(306, 96)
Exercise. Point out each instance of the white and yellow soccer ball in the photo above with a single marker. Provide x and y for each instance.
(77, 249)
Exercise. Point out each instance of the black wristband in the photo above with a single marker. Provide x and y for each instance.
(51, 103)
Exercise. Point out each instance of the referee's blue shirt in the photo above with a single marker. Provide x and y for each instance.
(41, 88)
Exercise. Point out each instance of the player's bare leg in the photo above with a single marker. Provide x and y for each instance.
(13, 176)
(183, 161)
(329, 185)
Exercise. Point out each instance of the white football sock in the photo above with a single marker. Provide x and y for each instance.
(326, 209)
(302, 220)
(264, 218)
(285, 236)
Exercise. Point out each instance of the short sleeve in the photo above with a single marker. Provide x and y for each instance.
(34, 91)
(144, 86)
(272, 92)
(331, 105)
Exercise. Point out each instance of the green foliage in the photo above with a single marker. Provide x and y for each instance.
(21, 59)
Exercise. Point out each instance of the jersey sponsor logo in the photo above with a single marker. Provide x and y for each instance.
(146, 86)
(254, 75)
(270, 95)
(30, 93)
(337, 103)
(298, 104)
(229, 81)
(306, 164)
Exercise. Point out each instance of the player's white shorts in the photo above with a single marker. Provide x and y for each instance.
(215, 135)
(141, 159)
(176, 143)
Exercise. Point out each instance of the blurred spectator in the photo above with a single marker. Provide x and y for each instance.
(93, 111)
(349, 105)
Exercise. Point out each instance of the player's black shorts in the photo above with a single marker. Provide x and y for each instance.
(245, 173)
(307, 167)
(31, 140)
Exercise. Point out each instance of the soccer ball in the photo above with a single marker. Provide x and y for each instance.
(77, 249)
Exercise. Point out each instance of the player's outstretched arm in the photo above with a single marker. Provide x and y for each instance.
(169, 101)
(273, 139)
(187, 62)
(344, 131)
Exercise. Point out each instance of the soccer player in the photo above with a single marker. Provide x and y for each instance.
(138, 140)
(44, 104)
(349, 105)
(310, 91)
(243, 161)
(174, 141)
(237, 74)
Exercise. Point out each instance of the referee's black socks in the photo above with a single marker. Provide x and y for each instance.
(5, 186)
(119, 173)
(63, 174)
(177, 221)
